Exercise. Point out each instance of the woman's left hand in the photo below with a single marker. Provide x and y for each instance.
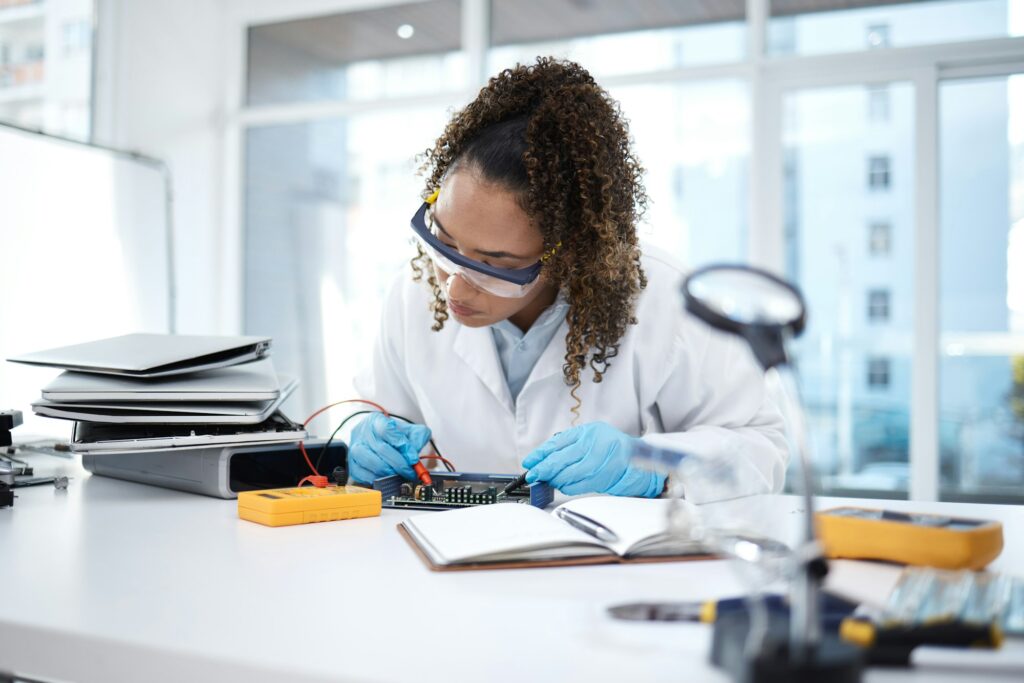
(591, 458)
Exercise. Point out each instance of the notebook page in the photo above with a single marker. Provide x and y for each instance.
(486, 531)
(633, 520)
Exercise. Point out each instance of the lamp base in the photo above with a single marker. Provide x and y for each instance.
(832, 661)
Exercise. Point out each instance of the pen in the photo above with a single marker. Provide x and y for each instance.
(587, 525)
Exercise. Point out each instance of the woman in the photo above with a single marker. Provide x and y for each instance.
(544, 338)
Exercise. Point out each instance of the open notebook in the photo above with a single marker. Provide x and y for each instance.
(507, 535)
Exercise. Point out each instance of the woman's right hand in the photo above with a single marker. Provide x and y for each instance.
(381, 446)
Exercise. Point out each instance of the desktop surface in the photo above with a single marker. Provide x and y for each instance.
(115, 581)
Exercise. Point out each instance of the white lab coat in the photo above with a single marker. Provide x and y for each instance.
(675, 381)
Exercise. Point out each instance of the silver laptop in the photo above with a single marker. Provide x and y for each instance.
(249, 382)
(93, 437)
(151, 355)
(180, 412)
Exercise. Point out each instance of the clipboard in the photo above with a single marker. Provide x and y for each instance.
(536, 564)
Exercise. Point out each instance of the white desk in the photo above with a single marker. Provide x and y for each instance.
(111, 581)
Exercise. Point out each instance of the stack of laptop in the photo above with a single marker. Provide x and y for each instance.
(145, 392)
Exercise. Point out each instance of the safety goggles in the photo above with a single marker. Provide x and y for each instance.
(510, 283)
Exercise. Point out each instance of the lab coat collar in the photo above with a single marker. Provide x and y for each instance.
(475, 346)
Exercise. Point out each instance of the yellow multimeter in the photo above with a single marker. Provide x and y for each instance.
(308, 504)
(909, 538)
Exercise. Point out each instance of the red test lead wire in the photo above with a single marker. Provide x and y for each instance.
(320, 481)
(316, 479)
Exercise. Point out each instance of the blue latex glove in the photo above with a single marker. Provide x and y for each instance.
(592, 458)
(381, 446)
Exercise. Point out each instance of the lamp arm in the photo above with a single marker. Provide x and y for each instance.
(805, 624)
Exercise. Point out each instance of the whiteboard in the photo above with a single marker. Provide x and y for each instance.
(84, 255)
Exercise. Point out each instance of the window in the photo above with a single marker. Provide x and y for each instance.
(328, 200)
(879, 238)
(981, 288)
(46, 66)
(618, 37)
(878, 103)
(827, 207)
(326, 193)
(879, 370)
(309, 175)
(810, 27)
(364, 55)
(877, 36)
(878, 173)
(693, 139)
(321, 249)
(878, 305)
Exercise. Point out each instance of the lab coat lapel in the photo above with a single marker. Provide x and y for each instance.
(475, 346)
(551, 360)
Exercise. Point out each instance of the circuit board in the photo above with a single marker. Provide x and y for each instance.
(451, 490)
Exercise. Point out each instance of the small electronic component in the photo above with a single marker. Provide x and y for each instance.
(450, 490)
(308, 504)
(909, 538)
(9, 419)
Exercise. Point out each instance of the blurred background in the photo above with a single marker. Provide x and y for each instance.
(873, 151)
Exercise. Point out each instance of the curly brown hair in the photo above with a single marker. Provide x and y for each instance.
(551, 135)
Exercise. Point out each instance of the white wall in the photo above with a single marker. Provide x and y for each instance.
(160, 84)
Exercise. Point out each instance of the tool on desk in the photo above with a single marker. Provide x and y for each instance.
(893, 644)
(9, 419)
(909, 538)
(925, 595)
(586, 525)
(14, 473)
(308, 504)
(926, 608)
(422, 474)
(833, 606)
(15, 465)
(516, 483)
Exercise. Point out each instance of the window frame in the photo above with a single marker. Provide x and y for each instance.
(769, 78)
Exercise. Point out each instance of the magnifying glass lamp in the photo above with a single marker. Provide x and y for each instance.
(767, 312)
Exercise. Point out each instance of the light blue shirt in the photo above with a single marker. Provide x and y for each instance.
(519, 351)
